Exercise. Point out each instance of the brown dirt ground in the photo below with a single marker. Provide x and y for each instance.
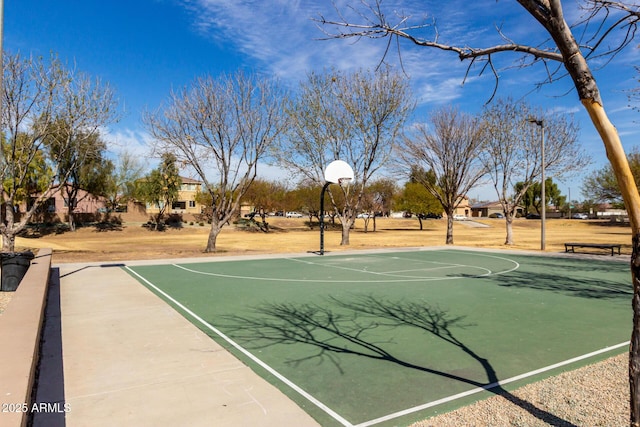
(600, 392)
(132, 241)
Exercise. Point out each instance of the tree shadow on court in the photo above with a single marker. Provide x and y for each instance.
(345, 332)
(545, 279)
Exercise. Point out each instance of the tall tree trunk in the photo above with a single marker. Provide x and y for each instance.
(346, 226)
(71, 220)
(634, 348)
(508, 220)
(8, 241)
(449, 240)
(626, 182)
(213, 236)
(8, 229)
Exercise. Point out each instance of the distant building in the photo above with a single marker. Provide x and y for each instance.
(463, 208)
(56, 205)
(185, 203)
(485, 209)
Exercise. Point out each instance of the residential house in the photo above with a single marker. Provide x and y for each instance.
(463, 208)
(56, 206)
(185, 204)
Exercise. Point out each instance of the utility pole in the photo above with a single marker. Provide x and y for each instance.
(543, 196)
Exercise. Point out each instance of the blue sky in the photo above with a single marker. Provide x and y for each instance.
(144, 48)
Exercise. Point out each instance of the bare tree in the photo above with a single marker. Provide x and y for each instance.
(265, 196)
(38, 95)
(160, 188)
(601, 21)
(450, 150)
(220, 127)
(601, 185)
(377, 200)
(512, 152)
(352, 117)
(82, 162)
(121, 182)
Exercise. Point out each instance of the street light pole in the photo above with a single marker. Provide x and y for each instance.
(543, 214)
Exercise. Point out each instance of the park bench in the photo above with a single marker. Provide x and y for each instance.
(612, 246)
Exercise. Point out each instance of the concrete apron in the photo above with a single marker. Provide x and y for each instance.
(129, 359)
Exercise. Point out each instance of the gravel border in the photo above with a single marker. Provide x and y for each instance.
(595, 396)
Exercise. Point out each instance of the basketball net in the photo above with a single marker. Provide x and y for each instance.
(345, 184)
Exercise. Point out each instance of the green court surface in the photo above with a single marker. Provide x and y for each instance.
(387, 338)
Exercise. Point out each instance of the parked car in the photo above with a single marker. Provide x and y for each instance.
(364, 215)
(429, 215)
(496, 215)
(459, 217)
(580, 216)
(294, 215)
(532, 216)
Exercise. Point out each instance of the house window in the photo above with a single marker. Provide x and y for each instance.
(51, 205)
(192, 203)
(179, 205)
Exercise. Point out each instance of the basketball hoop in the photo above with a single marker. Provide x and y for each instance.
(336, 172)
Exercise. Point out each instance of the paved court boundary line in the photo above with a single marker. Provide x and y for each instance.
(489, 386)
(268, 368)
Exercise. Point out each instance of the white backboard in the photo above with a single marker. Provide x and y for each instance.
(338, 170)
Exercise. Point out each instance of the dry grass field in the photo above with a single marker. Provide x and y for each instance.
(595, 395)
(132, 241)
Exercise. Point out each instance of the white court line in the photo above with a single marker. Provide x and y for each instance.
(488, 386)
(399, 279)
(268, 368)
(392, 273)
(516, 265)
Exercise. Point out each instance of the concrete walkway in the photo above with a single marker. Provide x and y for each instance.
(128, 359)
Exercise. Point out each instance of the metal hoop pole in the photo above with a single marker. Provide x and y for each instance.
(324, 189)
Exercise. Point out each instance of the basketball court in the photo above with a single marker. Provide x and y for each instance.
(391, 337)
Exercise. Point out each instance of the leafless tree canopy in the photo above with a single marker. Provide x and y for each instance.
(603, 29)
(513, 148)
(220, 127)
(450, 148)
(355, 117)
(40, 97)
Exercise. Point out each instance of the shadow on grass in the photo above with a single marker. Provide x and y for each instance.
(36, 231)
(334, 333)
(108, 226)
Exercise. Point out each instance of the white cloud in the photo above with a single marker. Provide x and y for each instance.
(135, 142)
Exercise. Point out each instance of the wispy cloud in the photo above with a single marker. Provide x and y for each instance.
(135, 142)
(280, 35)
